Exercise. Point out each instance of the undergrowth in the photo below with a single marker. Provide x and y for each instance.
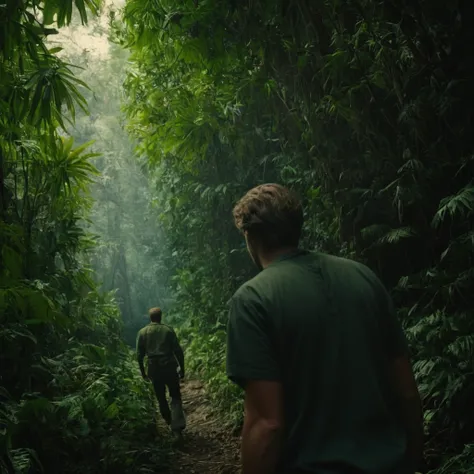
(85, 409)
(205, 358)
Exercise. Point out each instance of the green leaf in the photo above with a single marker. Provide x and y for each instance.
(55, 50)
(460, 204)
(12, 261)
(396, 235)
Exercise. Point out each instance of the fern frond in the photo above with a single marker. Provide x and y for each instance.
(25, 460)
(463, 347)
(461, 204)
(396, 235)
(411, 165)
(373, 232)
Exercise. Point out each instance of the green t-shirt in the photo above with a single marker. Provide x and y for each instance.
(159, 343)
(325, 328)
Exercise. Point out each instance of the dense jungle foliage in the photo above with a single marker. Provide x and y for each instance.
(126, 257)
(71, 396)
(363, 107)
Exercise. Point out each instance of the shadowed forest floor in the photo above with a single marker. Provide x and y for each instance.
(208, 446)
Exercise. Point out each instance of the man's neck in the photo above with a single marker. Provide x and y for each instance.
(270, 257)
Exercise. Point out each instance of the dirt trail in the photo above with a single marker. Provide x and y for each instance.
(208, 447)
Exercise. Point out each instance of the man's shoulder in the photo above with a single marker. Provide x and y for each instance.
(143, 330)
(156, 329)
(355, 269)
(244, 291)
(167, 328)
(334, 261)
(259, 285)
(251, 288)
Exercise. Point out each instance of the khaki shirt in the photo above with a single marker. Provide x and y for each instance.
(159, 343)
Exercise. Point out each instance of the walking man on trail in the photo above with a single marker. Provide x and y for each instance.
(314, 341)
(161, 346)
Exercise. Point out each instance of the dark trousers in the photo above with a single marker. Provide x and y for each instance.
(162, 379)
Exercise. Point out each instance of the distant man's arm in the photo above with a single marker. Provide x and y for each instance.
(179, 354)
(252, 364)
(410, 408)
(141, 352)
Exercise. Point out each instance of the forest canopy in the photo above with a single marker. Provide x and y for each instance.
(118, 177)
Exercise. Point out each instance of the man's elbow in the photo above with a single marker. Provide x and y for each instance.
(268, 426)
(273, 425)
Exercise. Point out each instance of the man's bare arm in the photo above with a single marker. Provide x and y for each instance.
(263, 426)
(411, 411)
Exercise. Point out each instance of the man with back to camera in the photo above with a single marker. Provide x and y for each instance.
(161, 346)
(314, 341)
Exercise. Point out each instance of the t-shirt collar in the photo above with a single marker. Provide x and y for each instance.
(288, 255)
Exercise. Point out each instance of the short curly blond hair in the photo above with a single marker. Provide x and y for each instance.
(272, 214)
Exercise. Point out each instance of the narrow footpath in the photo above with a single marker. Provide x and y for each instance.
(209, 447)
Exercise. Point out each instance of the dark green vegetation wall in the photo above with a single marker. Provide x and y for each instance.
(70, 398)
(364, 107)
